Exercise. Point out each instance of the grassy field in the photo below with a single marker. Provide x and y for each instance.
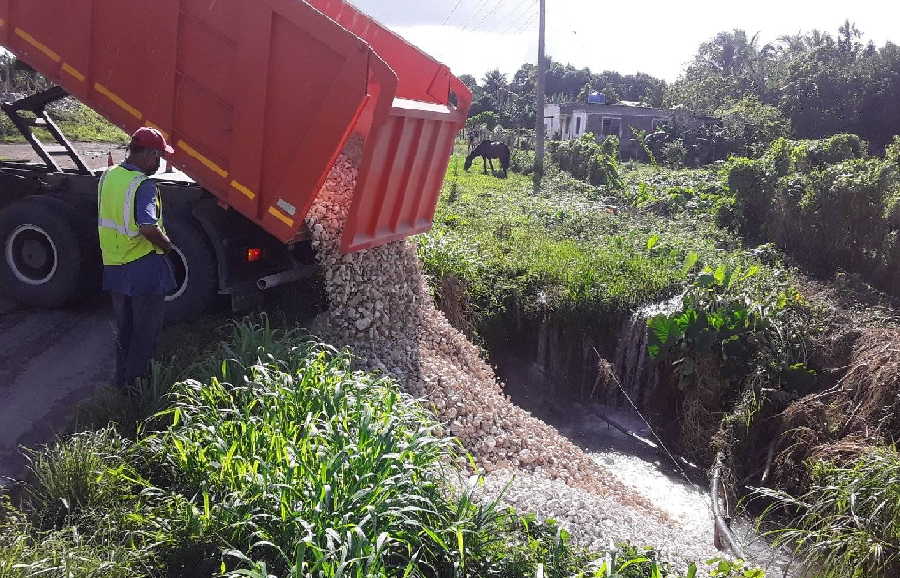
(77, 122)
(568, 249)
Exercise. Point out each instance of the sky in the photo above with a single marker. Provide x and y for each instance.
(653, 36)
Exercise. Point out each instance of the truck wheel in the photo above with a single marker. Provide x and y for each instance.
(194, 267)
(44, 257)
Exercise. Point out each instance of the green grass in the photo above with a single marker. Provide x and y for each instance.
(561, 250)
(847, 523)
(77, 122)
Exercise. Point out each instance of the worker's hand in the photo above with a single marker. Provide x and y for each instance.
(155, 235)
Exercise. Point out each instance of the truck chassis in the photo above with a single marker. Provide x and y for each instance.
(49, 241)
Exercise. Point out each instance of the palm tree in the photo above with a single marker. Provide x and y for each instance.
(494, 85)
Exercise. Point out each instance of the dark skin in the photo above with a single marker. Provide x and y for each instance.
(148, 161)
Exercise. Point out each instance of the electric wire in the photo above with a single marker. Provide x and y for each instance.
(452, 12)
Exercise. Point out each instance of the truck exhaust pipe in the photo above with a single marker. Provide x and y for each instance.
(282, 278)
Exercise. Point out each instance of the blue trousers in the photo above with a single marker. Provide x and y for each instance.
(139, 321)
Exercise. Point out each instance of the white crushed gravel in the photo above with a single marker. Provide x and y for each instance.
(596, 521)
(380, 307)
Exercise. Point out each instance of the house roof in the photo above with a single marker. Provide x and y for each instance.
(614, 109)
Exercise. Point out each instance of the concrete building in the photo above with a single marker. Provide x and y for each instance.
(570, 121)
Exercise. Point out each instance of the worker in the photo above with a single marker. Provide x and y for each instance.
(134, 243)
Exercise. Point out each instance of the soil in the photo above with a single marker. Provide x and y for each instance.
(49, 361)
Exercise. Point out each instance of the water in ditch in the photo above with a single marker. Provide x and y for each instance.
(615, 436)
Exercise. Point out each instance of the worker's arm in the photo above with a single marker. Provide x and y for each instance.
(147, 216)
(153, 234)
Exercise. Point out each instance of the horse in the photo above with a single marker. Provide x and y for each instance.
(488, 150)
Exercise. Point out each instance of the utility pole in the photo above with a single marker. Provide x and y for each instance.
(539, 105)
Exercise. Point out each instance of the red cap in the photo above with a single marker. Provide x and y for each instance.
(150, 138)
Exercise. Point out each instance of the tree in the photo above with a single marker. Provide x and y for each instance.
(494, 86)
(749, 126)
(724, 70)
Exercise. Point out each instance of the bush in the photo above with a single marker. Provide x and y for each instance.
(892, 152)
(674, 154)
(751, 183)
(810, 154)
(488, 118)
(749, 127)
(522, 161)
(826, 202)
(587, 160)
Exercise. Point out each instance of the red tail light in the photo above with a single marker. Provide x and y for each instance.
(254, 255)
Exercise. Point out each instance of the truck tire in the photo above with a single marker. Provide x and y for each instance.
(46, 256)
(193, 264)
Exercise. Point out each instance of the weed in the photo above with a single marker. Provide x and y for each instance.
(846, 523)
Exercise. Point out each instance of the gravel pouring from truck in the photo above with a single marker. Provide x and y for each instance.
(259, 98)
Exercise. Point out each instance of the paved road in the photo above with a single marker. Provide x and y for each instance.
(49, 360)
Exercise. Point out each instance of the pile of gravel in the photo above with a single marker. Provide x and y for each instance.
(380, 307)
(596, 521)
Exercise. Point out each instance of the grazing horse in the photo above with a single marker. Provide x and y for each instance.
(488, 150)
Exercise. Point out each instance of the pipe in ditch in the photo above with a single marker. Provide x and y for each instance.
(722, 529)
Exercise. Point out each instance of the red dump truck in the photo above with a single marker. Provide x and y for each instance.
(258, 98)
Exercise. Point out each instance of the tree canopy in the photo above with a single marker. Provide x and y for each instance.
(811, 84)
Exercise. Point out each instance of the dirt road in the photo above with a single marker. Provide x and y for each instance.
(49, 360)
(94, 154)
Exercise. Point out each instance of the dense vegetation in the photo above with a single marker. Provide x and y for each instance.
(827, 202)
(805, 85)
(565, 252)
(743, 348)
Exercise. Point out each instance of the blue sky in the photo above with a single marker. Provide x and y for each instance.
(653, 36)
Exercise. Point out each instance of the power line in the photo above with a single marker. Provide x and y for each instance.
(483, 14)
(526, 19)
(482, 21)
(452, 12)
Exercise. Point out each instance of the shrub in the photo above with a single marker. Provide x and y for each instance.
(488, 118)
(749, 127)
(751, 183)
(587, 160)
(674, 154)
(730, 323)
(892, 152)
(809, 154)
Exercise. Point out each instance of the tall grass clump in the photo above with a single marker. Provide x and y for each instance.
(296, 465)
(848, 523)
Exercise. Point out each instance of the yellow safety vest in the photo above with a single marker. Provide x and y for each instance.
(120, 239)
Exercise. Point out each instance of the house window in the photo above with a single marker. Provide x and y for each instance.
(610, 126)
(577, 126)
(657, 122)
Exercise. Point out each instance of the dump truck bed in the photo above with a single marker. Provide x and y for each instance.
(259, 98)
